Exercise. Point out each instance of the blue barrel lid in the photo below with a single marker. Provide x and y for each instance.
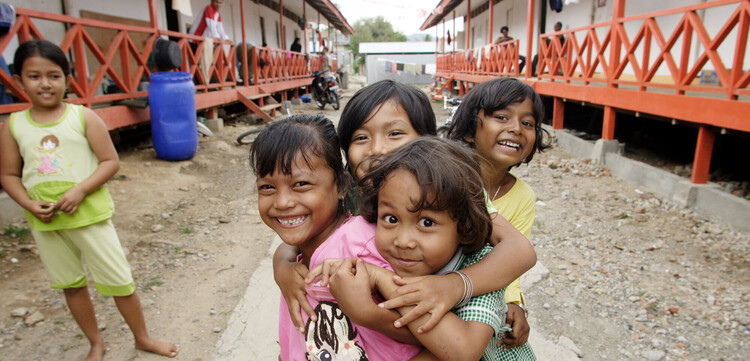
(171, 76)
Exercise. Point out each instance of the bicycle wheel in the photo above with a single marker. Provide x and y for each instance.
(248, 137)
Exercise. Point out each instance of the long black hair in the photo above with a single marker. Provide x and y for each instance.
(369, 100)
(42, 48)
(494, 95)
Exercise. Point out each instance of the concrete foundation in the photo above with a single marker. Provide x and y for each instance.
(603, 147)
(707, 200)
(216, 125)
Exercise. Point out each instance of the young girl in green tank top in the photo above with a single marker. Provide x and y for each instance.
(54, 161)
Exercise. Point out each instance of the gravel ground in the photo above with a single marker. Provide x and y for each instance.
(630, 275)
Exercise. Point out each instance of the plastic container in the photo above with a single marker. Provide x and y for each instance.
(174, 129)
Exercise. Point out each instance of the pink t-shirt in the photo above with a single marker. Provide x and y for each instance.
(334, 336)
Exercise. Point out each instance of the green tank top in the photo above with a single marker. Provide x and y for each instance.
(56, 157)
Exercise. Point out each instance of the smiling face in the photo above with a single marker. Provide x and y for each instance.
(44, 82)
(301, 207)
(506, 137)
(414, 242)
(385, 130)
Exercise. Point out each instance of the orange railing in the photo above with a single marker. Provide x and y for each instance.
(316, 63)
(635, 63)
(497, 59)
(125, 62)
(601, 53)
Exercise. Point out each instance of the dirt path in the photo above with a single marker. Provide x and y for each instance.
(631, 276)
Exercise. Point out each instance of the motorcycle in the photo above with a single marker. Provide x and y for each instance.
(325, 91)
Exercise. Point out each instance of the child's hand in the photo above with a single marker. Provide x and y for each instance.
(324, 270)
(69, 202)
(290, 277)
(44, 211)
(516, 318)
(350, 285)
(435, 295)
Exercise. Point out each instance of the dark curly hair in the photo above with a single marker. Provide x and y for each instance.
(494, 95)
(447, 173)
(276, 148)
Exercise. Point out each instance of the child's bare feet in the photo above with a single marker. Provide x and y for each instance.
(96, 353)
(158, 347)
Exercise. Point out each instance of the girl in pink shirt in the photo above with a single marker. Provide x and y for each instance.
(301, 184)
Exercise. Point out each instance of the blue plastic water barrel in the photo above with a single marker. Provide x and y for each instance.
(174, 129)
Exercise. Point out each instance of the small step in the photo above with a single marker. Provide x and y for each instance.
(268, 107)
(257, 96)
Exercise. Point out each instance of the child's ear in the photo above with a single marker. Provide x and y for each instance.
(469, 139)
(68, 80)
(17, 79)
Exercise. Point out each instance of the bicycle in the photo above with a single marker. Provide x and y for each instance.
(442, 131)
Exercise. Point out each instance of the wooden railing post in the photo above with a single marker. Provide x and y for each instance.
(558, 113)
(489, 30)
(244, 46)
(608, 123)
(529, 37)
(468, 24)
(703, 150)
(281, 25)
(152, 14)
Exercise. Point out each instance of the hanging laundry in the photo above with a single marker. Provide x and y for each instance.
(7, 17)
(183, 6)
(556, 5)
(449, 37)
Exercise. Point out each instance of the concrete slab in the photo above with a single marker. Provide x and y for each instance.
(708, 200)
(574, 145)
(719, 205)
(656, 180)
(252, 332)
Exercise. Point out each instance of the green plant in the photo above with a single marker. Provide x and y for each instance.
(22, 233)
(154, 281)
(188, 228)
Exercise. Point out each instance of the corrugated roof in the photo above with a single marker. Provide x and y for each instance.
(332, 14)
(410, 47)
(440, 11)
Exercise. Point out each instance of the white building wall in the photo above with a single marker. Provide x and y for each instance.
(586, 12)
(51, 30)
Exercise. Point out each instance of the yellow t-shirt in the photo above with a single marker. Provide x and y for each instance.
(518, 207)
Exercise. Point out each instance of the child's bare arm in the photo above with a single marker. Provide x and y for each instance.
(109, 163)
(351, 286)
(436, 295)
(452, 338)
(11, 165)
(290, 277)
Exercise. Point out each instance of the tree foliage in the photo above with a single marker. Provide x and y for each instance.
(373, 30)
